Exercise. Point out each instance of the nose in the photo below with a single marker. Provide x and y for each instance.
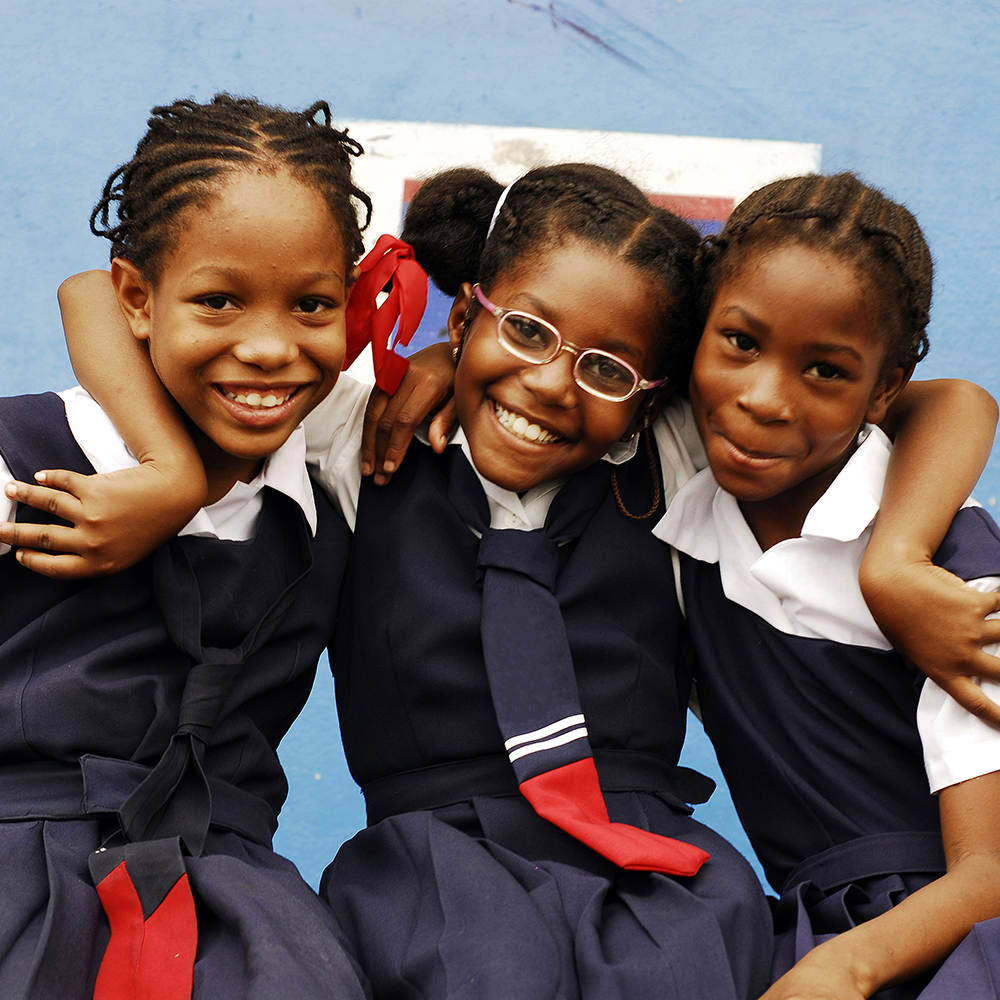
(266, 345)
(765, 393)
(553, 381)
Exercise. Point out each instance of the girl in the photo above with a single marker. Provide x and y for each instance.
(144, 709)
(463, 881)
(819, 291)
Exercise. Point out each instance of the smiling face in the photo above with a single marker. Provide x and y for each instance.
(245, 323)
(526, 423)
(788, 369)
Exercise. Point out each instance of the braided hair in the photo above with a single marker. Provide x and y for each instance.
(190, 148)
(857, 223)
(448, 221)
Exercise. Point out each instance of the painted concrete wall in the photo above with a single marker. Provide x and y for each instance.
(904, 93)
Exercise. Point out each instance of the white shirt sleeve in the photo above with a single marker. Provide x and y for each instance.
(957, 744)
(333, 444)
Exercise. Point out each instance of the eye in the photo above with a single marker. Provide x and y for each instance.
(741, 342)
(526, 332)
(606, 374)
(216, 302)
(826, 372)
(314, 305)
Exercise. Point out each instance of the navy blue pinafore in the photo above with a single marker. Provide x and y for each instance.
(457, 888)
(92, 685)
(818, 742)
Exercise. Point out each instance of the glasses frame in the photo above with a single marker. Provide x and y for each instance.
(579, 353)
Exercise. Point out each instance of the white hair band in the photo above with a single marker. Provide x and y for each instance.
(499, 205)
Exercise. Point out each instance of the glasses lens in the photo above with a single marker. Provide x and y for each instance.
(528, 337)
(605, 375)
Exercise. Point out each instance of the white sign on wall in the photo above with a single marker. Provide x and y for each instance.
(698, 178)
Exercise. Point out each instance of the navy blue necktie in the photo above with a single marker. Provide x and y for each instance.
(531, 675)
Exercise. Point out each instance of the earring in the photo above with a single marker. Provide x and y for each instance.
(454, 355)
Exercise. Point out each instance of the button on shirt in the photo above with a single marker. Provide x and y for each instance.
(808, 586)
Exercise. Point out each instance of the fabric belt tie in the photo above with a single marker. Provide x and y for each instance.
(143, 885)
(532, 679)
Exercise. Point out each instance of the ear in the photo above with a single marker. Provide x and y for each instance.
(135, 296)
(886, 393)
(458, 315)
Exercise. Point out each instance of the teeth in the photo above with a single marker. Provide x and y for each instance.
(256, 400)
(520, 426)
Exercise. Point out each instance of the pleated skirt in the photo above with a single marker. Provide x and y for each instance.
(484, 899)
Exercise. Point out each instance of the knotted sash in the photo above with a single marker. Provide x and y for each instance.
(143, 884)
(532, 679)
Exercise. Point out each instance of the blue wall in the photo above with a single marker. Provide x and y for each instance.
(905, 94)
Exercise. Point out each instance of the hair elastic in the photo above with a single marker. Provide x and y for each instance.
(499, 205)
(367, 322)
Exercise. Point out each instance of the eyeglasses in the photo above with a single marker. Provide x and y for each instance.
(533, 340)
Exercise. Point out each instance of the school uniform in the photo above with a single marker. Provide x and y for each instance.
(458, 888)
(814, 716)
(94, 680)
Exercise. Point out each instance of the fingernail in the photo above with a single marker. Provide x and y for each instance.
(366, 469)
(11, 490)
(380, 480)
(388, 466)
(41, 477)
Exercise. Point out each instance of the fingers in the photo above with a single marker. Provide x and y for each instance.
(47, 537)
(57, 567)
(63, 501)
(377, 403)
(970, 696)
(443, 425)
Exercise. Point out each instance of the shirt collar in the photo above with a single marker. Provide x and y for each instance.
(702, 510)
(527, 510)
(284, 471)
(852, 500)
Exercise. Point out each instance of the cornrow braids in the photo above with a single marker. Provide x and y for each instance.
(188, 149)
(448, 221)
(846, 217)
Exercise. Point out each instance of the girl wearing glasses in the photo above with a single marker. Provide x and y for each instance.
(510, 672)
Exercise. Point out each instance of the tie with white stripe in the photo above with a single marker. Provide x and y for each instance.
(532, 679)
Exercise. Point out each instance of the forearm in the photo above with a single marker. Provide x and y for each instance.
(943, 432)
(914, 936)
(114, 367)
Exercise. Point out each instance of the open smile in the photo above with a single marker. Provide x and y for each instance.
(259, 405)
(521, 427)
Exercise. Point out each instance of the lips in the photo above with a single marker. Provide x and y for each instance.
(260, 407)
(521, 427)
(750, 456)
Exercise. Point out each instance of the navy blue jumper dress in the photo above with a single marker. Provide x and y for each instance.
(91, 687)
(818, 742)
(457, 888)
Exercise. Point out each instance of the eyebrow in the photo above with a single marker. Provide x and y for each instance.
(212, 271)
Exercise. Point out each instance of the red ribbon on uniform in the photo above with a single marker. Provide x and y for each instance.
(390, 260)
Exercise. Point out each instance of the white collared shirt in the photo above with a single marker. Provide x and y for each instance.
(233, 518)
(333, 435)
(808, 586)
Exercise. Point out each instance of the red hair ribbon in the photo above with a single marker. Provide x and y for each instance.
(391, 259)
